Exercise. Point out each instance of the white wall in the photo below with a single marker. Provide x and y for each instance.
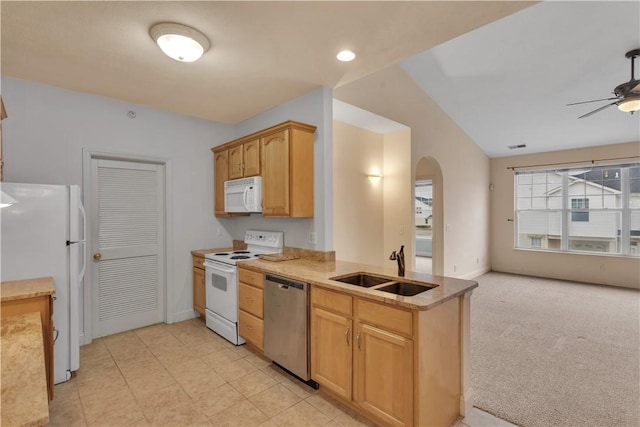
(358, 204)
(48, 127)
(398, 197)
(393, 94)
(314, 108)
(591, 268)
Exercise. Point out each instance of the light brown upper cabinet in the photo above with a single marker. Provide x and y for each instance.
(220, 175)
(287, 171)
(283, 156)
(3, 115)
(244, 159)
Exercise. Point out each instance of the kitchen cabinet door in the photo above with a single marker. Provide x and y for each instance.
(235, 162)
(384, 375)
(221, 174)
(331, 351)
(198, 291)
(251, 158)
(275, 174)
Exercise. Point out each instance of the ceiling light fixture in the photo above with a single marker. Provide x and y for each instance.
(345, 56)
(177, 41)
(630, 104)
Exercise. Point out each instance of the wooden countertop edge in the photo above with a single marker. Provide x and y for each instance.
(28, 288)
(413, 303)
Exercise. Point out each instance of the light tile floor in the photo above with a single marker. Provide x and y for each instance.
(183, 374)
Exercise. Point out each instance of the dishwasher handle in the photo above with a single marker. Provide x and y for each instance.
(285, 284)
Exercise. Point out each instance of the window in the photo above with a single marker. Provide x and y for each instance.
(590, 209)
(579, 216)
(536, 242)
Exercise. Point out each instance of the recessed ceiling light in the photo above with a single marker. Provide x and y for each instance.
(345, 56)
(177, 41)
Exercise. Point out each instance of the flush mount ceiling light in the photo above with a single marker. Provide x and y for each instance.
(345, 56)
(177, 41)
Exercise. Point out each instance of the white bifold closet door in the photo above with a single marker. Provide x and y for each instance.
(128, 245)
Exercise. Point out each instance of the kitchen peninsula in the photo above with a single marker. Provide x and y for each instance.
(399, 360)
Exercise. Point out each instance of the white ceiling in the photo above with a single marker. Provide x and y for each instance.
(509, 82)
(263, 53)
(504, 83)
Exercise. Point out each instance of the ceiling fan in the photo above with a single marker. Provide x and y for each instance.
(627, 95)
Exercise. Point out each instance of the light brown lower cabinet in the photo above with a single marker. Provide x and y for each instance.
(199, 302)
(382, 360)
(251, 306)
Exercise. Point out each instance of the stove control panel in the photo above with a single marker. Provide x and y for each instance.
(271, 239)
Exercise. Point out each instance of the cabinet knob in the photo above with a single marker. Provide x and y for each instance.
(97, 256)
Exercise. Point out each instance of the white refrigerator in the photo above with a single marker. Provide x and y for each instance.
(42, 233)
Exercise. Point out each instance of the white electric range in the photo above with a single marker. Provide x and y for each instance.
(222, 281)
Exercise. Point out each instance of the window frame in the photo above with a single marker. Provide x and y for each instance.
(570, 211)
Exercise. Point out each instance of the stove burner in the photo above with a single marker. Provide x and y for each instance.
(240, 252)
(221, 254)
(239, 257)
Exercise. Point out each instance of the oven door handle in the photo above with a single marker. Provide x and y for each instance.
(219, 267)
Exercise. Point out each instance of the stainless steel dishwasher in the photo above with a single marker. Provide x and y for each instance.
(286, 325)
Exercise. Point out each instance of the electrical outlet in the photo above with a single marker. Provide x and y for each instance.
(447, 227)
(313, 238)
(455, 268)
(219, 231)
(402, 230)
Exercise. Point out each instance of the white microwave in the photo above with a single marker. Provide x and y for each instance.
(243, 195)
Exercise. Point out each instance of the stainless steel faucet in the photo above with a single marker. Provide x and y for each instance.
(399, 257)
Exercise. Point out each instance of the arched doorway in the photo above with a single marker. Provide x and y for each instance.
(428, 217)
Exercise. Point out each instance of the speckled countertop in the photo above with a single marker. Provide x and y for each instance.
(29, 288)
(319, 274)
(24, 385)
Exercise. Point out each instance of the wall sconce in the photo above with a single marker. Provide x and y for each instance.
(374, 178)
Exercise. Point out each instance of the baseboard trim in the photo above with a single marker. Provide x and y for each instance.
(476, 273)
(466, 402)
(181, 316)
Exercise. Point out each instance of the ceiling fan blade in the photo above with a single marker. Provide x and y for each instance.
(595, 100)
(598, 110)
(636, 89)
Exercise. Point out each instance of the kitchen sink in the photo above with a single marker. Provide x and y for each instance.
(362, 279)
(404, 288)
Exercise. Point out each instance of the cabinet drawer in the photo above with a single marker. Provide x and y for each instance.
(251, 329)
(386, 317)
(198, 262)
(333, 301)
(250, 299)
(251, 278)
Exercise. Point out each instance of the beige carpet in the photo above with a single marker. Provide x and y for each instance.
(552, 353)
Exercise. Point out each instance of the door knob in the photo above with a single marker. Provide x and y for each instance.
(97, 256)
